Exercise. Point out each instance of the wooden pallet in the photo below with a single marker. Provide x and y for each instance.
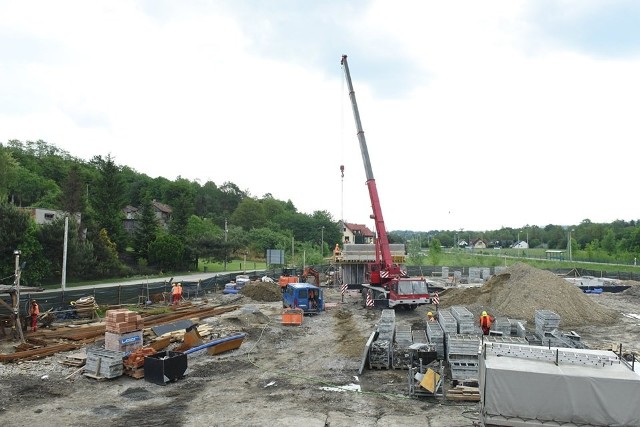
(464, 393)
(76, 359)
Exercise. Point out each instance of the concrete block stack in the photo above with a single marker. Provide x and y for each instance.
(103, 364)
(547, 323)
(502, 325)
(401, 358)
(462, 355)
(457, 276)
(419, 336)
(475, 275)
(123, 330)
(464, 318)
(448, 323)
(380, 352)
(435, 334)
(403, 336)
(517, 328)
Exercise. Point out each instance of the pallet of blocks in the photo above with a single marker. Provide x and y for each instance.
(103, 364)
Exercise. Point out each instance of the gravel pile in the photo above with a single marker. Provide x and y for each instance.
(522, 289)
(262, 291)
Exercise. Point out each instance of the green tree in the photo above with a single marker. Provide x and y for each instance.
(146, 230)
(207, 202)
(204, 237)
(435, 251)
(609, 242)
(249, 215)
(106, 253)
(108, 202)
(167, 252)
(231, 196)
(14, 226)
(73, 191)
(8, 170)
(80, 263)
(414, 253)
(261, 239)
(180, 196)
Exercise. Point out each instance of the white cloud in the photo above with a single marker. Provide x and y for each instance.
(472, 118)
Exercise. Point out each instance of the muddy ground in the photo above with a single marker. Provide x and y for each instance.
(280, 376)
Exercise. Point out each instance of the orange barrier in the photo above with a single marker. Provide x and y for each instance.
(292, 316)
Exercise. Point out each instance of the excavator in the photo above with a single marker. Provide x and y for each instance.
(289, 276)
(310, 271)
(388, 284)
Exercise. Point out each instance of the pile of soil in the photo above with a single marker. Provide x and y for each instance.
(634, 290)
(262, 291)
(522, 289)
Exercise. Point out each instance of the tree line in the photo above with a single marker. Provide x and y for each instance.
(208, 222)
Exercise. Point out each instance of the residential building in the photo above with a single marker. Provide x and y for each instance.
(357, 233)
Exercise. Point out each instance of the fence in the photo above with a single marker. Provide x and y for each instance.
(126, 294)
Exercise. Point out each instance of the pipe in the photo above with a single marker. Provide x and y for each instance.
(215, 342)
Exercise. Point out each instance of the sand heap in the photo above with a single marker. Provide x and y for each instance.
(262, 291)
(521, 290)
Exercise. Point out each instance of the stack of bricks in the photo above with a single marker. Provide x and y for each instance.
(123, 331)
(121, 321)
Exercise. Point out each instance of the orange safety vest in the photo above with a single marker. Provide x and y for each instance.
(485, 321)
(35, 309)
(175, 290)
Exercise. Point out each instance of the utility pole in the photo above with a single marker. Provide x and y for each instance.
(64, 252)
(16, 302)
(226, 232)
(569, 244)
(322, 241)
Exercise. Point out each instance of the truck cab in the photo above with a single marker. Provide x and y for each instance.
(305, 296)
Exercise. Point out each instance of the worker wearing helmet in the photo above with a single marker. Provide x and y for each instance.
(431, 317)
(34, 312)
(485, 323)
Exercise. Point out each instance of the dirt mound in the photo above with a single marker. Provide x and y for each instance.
(634, 290)
(521, 290)
(342, 314)
(262, 291)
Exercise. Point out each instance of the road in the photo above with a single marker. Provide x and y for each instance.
(191, 277)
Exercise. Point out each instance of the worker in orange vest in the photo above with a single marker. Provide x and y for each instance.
(179, 295)
(485, 323)
(175, 294)
(34, 311)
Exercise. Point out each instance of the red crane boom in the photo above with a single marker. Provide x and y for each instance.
(383, 251)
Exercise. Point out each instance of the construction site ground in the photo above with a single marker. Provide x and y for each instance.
(282, 375)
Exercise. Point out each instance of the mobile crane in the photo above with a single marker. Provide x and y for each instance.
(387, 280)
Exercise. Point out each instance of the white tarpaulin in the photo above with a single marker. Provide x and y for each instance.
(524, 390)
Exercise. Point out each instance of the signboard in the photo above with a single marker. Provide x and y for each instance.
(275, 256)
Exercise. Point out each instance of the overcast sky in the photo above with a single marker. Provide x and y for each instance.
(477, 115)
